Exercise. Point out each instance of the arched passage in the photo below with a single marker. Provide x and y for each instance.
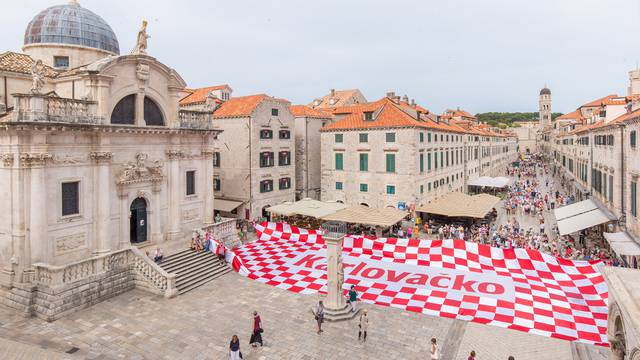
(138, 221)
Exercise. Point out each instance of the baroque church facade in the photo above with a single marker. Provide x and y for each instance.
(96, 158)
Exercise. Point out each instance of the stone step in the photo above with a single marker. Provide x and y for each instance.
(192, 269)
(180, 266)
(203, 280)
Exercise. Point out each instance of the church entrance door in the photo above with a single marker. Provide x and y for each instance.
(138, 221)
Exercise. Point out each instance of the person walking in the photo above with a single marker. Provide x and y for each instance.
(256, 335)
(363, 326)
(234, 348)
(435, 351)
(353, 298)
(319, 315)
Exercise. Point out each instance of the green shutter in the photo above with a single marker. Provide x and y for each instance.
(339, 165)
(421, 162)
(364, 162)
(429, 162)
(435, 159)
(391, 190)
(364, 187)
(391, 163)
(338, 138)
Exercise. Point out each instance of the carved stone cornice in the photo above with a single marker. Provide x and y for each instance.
(174, 154)
(34, 159)
(207, 153)
(7, 159)
(101, 156)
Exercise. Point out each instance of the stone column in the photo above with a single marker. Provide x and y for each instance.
(336, 308)
(40, 249)
(207, 164)
(125, 213)
(174, 188)
(156, 231)
(15, 265)
(102, 161)
(139, 119)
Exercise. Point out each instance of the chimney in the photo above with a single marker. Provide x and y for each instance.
(413, 102)
(405, 98)
(396, 99)
(391, 94)
(333, 92)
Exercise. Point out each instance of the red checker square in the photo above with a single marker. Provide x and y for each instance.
(389, 293)
(523, 315)
(565, 324)
(544, 327)
(451, 302)
(400, 301)
(419, 297)
(379, 286)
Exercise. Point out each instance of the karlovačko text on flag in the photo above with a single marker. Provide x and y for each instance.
(519, 289)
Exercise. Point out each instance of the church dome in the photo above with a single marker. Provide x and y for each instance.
(71, 24)
(545, 91)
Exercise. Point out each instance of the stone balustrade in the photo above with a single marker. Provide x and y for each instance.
(43, 108)
(195, 119)
(225, 231)
(156, 279)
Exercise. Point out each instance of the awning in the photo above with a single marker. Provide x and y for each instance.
(307, 207)
(361, 214)
(486, 181)
(622, 244)
(574, 209)
(457, 204)
(225, 205)
(582, 221)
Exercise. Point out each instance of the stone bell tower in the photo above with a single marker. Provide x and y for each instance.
(544, 107)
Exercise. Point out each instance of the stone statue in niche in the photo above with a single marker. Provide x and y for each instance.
(141, 41)
(37, 75)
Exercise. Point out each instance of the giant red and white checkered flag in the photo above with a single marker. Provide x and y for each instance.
(517, 289)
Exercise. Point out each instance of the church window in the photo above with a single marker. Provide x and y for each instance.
(125, 111)
(61, 62)
(274, 112)
(191, 182)
(70, 198)
(152, 114)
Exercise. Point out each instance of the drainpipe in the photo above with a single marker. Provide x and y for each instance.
(622, 170)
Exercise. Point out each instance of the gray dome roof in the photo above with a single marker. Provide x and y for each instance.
(545, 91)
(71, 24)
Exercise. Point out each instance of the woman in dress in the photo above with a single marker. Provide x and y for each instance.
(363, 325)
(234, 348)
(256, 335)
(319, 315)
(435, 351)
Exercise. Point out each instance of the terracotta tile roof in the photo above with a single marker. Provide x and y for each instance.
(239, 106)
(200, 95)
(21, 63)
(599, 101)
(387, 114)
(576, 114)
(305, 111)
(457, 113)
(340, 97)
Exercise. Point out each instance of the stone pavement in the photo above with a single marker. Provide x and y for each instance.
(199, 325)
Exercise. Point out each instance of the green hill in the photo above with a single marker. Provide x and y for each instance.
(509, 119)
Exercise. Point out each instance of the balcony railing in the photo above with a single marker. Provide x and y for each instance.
(43, 108)
(195, 119)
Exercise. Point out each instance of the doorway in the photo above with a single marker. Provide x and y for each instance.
(138, 221)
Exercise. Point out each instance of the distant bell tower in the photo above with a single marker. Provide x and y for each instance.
(634, 82)
(544, 107)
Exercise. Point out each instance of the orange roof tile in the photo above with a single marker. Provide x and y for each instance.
(339, 98)
(306, 111)
(239, 106)
(200, 95)
(576, 114)
(21, 63)
(599, 101)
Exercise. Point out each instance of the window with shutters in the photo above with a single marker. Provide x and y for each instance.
(216, 185)
(364, 162)
(391, 163)
(632, 138)
(421, 137)
(266, 134)
(70, 198)
(284, 134)
(274, 112)
(339, 185)
(216, 159)
(391, 189)
(339, 161)
(364, 137)
(191, 182)
(421, 163)
(634, 198)
(428, 161)
(266, 186)
(364, 187)
(390, 137)
(284, 158)
(428, 137)
(266, 159)
(284, 183)
(338, 138)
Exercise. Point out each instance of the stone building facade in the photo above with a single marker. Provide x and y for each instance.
(394, 153)
(308, 123)
(97, 162)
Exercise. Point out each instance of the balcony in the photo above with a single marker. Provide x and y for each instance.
(195, 119)
(48, 108)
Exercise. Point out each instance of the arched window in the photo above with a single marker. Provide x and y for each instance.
(152, 113)
(125, 111)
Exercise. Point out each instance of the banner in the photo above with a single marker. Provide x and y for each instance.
(518, 289)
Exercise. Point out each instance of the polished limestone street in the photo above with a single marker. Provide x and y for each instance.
(200, 323)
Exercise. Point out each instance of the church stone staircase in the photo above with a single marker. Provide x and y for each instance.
(193, 269)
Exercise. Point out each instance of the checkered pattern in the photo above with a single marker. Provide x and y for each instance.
(553, 297)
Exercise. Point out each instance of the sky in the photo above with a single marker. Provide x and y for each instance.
(489, 55)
